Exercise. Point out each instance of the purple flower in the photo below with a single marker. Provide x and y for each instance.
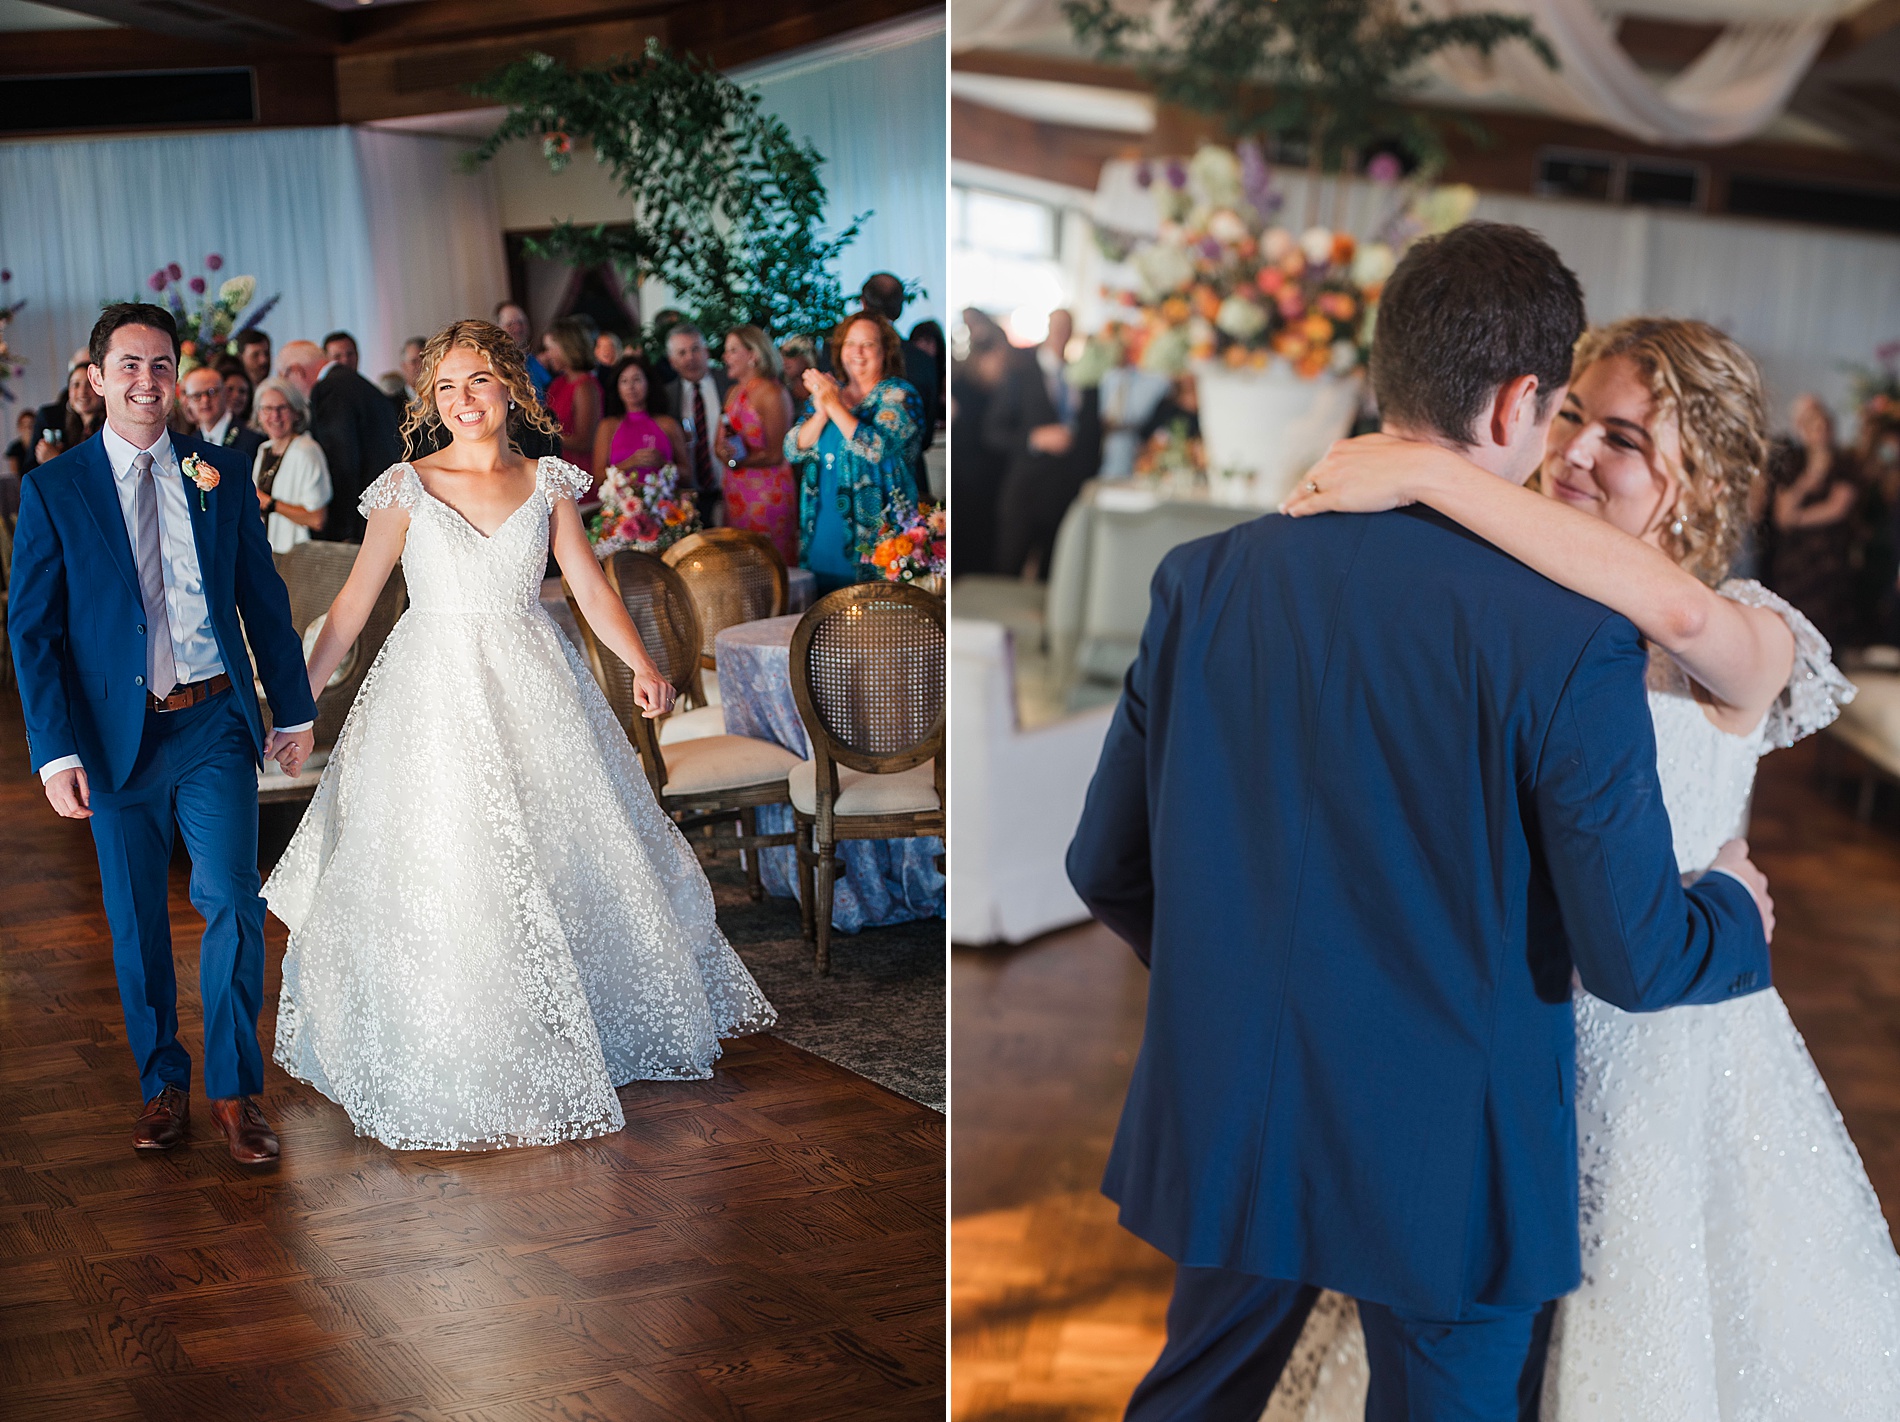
(213, 262)
(1256, 179)
(1384, 168)
(157, 280)
(5, 275)
(197, 285)
(1144, 174)
(1210, 248)
(1884, 354)
(174, 271)
(1177, 174)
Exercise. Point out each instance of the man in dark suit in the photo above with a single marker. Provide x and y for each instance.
(354, 424)
(1373, 793)
(697, 399)
(1031, 428)
(884, 294)
(207, 402)
(142, 587)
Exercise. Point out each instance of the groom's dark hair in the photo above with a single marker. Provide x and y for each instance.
(128, 313)
(1465, 313)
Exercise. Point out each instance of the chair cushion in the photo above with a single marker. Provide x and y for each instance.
(710, 763)
(700, 722)
(862, 793)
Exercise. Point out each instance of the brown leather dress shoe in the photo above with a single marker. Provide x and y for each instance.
(245, 1130)
(161, 1125)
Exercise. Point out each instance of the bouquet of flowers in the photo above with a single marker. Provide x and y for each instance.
(909, 545)
(10, 364)
(1221, 282)
(1876, 387)
(641, 509)
(206, 320)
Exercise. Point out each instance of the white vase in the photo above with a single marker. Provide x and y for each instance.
(1263, 429)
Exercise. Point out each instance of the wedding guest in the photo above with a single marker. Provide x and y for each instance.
(976, 475)
(207, 403)
(1025, 430)
(339, 348)
(253, 349)
(634, 429)
(758, 481)
(855, 449)
(695, 398)
(608, 348)
(20, 460)
(238, 389)
(77, 415)
(290, 471)
(573, 395)
(928, 337)
(664, 320)
(354, 423)
(884, 294)
(410, 368)
(797, 354)
(513, 319)
(1814, 531)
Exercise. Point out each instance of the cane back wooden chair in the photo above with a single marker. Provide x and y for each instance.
(867, 668)
(707, 780)
(314, 573)
(734, 575)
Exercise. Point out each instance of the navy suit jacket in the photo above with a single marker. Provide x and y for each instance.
(1373, 790)
(77, 621)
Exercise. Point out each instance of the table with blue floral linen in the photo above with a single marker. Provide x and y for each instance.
(885, 880)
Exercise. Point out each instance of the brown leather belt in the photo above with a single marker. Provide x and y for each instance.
(190, 694)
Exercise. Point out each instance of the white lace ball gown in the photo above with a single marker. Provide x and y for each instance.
(492, 922)
(1736, 1266)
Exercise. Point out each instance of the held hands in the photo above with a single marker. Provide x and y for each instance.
(1370, 474)
(1733, 857)
(69, 794)
(291, 750)
(652, 693)
(823, 391)
(1051, 439)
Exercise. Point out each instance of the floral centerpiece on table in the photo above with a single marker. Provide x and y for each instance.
(641, 509)
(10, 363)
(207, 319)
(908, 546)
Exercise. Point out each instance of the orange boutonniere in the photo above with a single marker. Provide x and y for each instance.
(201, 474)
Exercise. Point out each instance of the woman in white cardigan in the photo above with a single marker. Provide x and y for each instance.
(292, 476)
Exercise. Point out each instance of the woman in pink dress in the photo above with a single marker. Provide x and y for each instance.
(573, 397)
(760, 494)
(632, 434)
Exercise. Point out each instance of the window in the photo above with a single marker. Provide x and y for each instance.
(1005, 259)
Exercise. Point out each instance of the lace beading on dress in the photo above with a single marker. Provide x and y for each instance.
(493, 923)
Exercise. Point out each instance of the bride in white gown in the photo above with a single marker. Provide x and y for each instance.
(492, 922)
(1736, 1266)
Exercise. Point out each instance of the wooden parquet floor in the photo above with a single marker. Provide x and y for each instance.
(1056, 1312)
(764, 1245)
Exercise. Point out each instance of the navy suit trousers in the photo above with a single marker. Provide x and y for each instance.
(196, 770)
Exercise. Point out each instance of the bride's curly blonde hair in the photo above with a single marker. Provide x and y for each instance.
(504, 358)
(1712, 389)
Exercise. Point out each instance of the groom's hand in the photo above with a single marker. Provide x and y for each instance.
(70, 794)
(1733, 858)
(291, 750)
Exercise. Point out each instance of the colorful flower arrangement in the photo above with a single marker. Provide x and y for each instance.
(206, 319)
(10, 364)
(1877, 387)
(908, 546)
(1222, 283)
(641, 509)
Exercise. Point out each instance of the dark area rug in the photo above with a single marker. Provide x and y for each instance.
(880, 1011)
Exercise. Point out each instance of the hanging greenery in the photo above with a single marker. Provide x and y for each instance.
(1333, 75)
(725, 206)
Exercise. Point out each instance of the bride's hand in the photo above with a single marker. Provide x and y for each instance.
(1370, 474)
(652, 693)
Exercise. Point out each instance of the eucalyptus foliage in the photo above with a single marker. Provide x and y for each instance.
(1334, 74)
(725, 206)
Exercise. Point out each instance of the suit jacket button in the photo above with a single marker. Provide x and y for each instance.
(138, 681)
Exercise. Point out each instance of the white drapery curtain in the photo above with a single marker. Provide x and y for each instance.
(375, 233)
(1801, 300)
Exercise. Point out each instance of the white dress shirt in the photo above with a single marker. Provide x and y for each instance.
(194, 645)
(709, 392)
(215, 435)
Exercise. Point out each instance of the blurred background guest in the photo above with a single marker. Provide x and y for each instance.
(695, 399)
(290, 471)
(1814, 529)
(927, 336)
(797, 354)
(20, 453)
(354, 423)
(207, 404)
(608, 348)
(238, 390)
(514, 320)
(410, 367)
(884, 294)
(1030, 428)
(976, 471)
(573, 395)
(76, 415)
(340, 347)
(751, 442)
(635, 430)
(855, 449)
(660, 367)
(254, 351)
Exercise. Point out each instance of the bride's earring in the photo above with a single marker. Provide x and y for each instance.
(511, 405)
(1676, 527)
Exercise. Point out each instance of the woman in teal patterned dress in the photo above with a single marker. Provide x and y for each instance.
(855, 448)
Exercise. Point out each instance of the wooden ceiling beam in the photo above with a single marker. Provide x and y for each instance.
(290, 23)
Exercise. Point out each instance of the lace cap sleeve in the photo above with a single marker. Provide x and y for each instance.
(561, 480)
(396, 487)
(1816, 690)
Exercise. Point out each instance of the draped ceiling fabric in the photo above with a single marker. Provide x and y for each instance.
(375, 233)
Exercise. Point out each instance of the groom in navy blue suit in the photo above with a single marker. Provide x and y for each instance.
(135, 555)
(1373, 793)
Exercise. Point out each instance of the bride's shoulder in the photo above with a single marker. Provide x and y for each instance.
(560, 480)
(1816, 690)
(398, 486)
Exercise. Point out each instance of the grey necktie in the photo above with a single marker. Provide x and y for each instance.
(161, 672)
